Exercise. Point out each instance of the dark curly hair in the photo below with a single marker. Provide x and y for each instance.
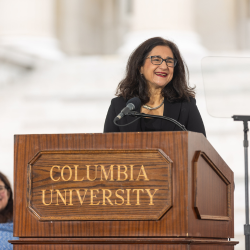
(7, 213)
(134, 85)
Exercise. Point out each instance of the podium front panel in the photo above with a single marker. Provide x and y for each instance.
(172, 151)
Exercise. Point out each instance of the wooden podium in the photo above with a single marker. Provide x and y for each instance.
(155, 190)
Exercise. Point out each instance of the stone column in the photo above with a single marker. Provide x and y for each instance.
(28, 26)
(243, 24)
(173, 20)
(27, 18)
(169, 15)
(91, 26)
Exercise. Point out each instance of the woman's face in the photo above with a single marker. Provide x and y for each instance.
(158, 76)
(4, 197)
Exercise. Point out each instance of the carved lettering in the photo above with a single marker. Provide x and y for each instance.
(70, 172)
(151, 196)
(143, 174)
(70, 197)
(93, 196)
(51, 175)
(131, 172)
(119, 196)
(109, 197)
(88, 166)
(103, 171)
(81, 199)
(76, 172)
(62, 198)
(99, 171)
(128, 197)
(138, 195)
(120, 172)
(43, 197)
(106, 197)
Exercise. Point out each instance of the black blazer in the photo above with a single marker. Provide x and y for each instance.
(184, 112)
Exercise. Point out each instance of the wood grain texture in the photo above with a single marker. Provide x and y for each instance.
(26, 146)
(198, 227)
(211, 202)
(180, 221)
(211, 247)
(99, 185)
(104, 247)
(124, 243)
(122, 247)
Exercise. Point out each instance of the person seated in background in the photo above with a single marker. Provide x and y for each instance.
(6, 213)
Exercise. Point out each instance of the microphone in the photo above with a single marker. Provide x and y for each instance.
(132, 104)
(135, 103)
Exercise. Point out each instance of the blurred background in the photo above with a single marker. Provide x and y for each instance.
(61, 61)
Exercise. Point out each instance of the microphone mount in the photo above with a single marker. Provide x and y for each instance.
(140, 115)
(134, 113)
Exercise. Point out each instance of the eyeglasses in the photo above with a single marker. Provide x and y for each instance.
(2, 189)
(157, 60)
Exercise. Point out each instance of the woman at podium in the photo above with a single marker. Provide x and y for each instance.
(156, 74)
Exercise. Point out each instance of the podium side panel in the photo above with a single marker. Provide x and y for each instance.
(216, 219)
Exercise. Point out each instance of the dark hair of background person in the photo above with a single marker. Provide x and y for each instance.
(7, 213)
(134, 84)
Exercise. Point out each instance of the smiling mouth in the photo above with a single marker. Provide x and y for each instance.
(161, 74)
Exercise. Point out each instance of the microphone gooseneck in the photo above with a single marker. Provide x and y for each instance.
(135, 103)
(132, 104)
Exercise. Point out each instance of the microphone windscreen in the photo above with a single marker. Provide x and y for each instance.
(136, 101)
